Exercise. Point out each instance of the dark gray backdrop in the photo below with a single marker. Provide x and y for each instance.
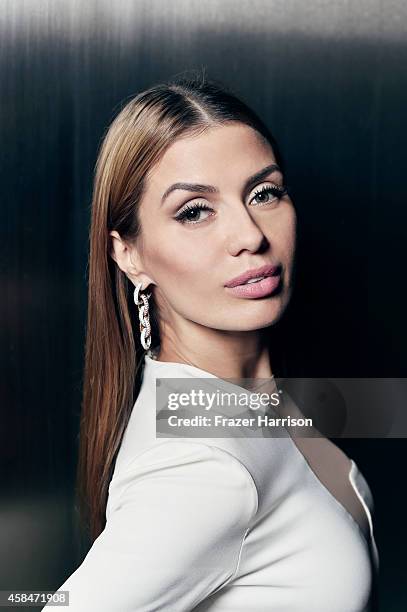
(329, 78)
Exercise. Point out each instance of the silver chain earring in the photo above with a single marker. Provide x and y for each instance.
(141, 300)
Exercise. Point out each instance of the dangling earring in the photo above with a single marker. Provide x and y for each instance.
(145, 327)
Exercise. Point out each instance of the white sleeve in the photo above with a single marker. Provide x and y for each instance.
(173, 536)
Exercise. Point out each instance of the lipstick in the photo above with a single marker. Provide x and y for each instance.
(256, 282)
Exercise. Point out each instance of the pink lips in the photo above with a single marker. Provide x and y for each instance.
(257, 289)
(267, 270)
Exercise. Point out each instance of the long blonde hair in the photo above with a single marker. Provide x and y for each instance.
(136, 139)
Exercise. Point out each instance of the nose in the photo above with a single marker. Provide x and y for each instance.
(243, 233)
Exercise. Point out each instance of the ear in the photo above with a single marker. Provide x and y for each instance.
(128, 260)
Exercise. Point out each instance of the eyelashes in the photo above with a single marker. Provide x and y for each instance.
(182, 217)
(277, 191)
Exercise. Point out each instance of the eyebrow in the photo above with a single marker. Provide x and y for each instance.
(199, 188)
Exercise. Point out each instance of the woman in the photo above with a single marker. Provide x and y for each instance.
(192, 259)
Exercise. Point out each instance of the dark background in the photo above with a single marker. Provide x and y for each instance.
(329, 79)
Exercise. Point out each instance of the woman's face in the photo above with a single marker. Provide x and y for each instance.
(189, 253)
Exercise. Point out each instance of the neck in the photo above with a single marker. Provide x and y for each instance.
(222, 353)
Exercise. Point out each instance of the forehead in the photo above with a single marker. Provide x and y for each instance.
(217, 152)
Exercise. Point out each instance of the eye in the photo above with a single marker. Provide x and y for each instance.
(188, 215)
(276, 191)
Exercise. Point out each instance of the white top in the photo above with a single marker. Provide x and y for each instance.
(223, 524)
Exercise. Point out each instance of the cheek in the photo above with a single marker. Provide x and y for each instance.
(184, 273)
(179, 261)
(290, 238)
(281, 234)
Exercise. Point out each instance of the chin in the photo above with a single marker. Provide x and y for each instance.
(251, 321)
(269, 315)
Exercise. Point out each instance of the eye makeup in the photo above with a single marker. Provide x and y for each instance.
(185, 216)
(278, 191)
